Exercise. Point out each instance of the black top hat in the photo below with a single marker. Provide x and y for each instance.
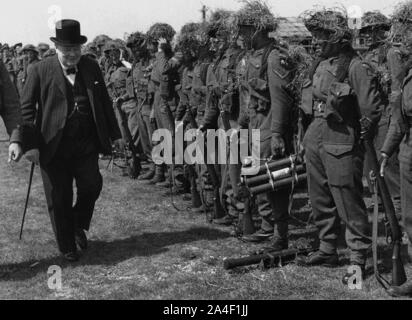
(68, 33)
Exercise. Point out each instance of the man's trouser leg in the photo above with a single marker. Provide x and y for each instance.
(89, 185)
(58, 188)
(335, 188)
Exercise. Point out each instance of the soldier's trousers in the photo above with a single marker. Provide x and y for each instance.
(145, 130)
(127, 120)
(406, 198)
(335, 190)
(272, 206)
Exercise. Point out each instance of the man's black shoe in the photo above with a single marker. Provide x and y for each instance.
(71, 257)
(402, 291)
(81, 239)
(350, 274)
(319, 258)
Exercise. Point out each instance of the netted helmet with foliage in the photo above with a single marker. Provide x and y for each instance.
(334, 21)
(374, 20)
(256, 13)
(135, 39)
(161, 30)
(189, 37)
(402, 20)
(221, 24)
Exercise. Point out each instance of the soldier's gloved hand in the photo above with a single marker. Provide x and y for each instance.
(278, 145)
(201, 130)
(384, 164)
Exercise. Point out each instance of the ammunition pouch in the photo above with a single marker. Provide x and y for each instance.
(340, 102)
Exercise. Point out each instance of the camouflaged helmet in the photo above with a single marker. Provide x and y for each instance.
(111, 45)
(257, 14)
(402, 21)
(375, 20)
(161, 30)
(221, 24)
(189, 37)
(135, 39)
(101, 40)
(333, 20)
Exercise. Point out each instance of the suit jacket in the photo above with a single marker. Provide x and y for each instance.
(45, 109)
(9, 106)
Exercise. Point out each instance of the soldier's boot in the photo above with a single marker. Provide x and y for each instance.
(319, 258)
(149, 175)
(159, 175)
(404, 290)
(281, 239)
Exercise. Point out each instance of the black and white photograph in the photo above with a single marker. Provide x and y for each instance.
(219, 151)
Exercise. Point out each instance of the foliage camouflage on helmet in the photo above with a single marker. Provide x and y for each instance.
(101, 40)
(256, 13)
(161, 30)
(402, 19)
(221, 24)
(373, 20)
(333, 20)
(136, 38)
(189, 37)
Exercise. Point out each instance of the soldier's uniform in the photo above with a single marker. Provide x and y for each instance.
(139, 82)
(335, 154)
(119, 89)
(400, 135)
(222, 83)
(269, 71)
(378, 58)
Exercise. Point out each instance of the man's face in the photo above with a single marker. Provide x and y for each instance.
(136, 51)
(152, 47)
(31, 55)
(69, 55)
(115, 55)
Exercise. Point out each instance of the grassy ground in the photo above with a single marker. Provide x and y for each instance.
(142, 248)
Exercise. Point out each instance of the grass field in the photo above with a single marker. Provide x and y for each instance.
(142, 248)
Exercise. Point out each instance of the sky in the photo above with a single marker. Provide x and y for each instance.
(30, 21)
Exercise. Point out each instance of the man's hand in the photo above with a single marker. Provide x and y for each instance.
(15, 152)
(120, 144)
(384, 164)
(278, 145)
(33, 156)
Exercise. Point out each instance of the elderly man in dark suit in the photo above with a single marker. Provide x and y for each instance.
(73, 123)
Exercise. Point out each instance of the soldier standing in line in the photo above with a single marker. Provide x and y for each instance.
(43, 48)
(347, 106)
(269, 71)
(164, 78)
(138, 81)
(223, 104)
(399, 135)
(31, 57)
(125, 106)
(374, 26)
(8, 62)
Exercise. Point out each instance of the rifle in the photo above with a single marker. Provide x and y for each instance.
(218, 211)
(135, 167)
(269, 258)
(398, 269)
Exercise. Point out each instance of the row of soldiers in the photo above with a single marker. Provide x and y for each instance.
(230, 73)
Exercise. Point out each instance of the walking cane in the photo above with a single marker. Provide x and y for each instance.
(33, 165)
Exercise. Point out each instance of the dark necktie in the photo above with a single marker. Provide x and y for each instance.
(71, 71)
